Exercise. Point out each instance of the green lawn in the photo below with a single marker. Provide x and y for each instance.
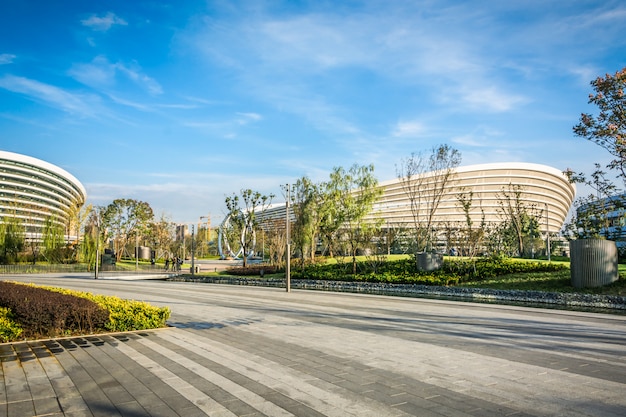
(559, 281)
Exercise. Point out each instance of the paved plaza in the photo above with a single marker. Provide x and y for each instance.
(250, 351)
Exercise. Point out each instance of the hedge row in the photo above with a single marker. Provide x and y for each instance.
(9, 329)
(454, 271)
(29, 311)
(41, 313)
(254, 269)
(125, 315)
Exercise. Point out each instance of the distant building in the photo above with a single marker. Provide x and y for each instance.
(544, 187)
(605, 217)
(34, 191)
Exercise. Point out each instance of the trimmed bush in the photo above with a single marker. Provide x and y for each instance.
(29, 311)
(404, 271)
(125, 315)
(250, 270)
(42, 313)
(9, 329)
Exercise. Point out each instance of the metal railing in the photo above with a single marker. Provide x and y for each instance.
(69, 268)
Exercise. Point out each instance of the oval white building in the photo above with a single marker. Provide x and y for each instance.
(544, 189)
(33, 191)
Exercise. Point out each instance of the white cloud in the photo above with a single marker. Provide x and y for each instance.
(481, 137)
(6, 59)
(101, 73)
(103, 23)
(482, 98)
(134, 73)
(245, 118)
(49, 94)
(409, 129)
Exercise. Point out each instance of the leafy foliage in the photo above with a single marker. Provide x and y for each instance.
(124, 218)
(251, 270)
(403, 271)
(43, 313)
(243, 213)
(9, 329)
(608, 127)
(125, 315)
(32, 311)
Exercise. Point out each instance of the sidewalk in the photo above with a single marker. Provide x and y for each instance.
(249, 351)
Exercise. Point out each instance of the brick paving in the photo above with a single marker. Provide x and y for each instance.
(240, 351)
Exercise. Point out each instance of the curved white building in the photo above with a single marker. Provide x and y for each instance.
(33, 191)
(541, 187)
(544, 189)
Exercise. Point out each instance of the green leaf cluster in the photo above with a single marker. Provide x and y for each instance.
(9, 329)
(124, 315)
(403, 271)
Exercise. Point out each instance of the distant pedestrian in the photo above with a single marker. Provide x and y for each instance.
(167, 263)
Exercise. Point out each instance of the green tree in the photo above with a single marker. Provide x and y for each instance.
(591, 217)
(359, 188)
(243, 210)
(305, 201)
(76, 219)
(12, 239)
(424, 179)
(124, 219)
(608, 127)
(520, 219)
(472, 235)
(53, 240)
(344, 201)
(160, 235)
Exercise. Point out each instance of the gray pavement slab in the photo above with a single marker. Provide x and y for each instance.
(250, 351)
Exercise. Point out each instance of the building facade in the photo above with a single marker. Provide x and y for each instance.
(544, 189)
(604, 217)
(35, 191)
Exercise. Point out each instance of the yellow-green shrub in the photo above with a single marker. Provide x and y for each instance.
(9, 330)
(125, 315)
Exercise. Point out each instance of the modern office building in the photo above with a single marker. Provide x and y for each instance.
(605, 217)
(544, 189)
(34, 191)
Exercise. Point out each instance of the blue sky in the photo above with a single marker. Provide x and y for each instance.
(181, 103)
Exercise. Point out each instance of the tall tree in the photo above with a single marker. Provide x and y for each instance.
(243, 210)
(360, 190)
(591, 218)
(161, 235)
(343, 203)
(520, 218)
(92, 236)
(12, 239)
(75, 221)
(472, 236)
(53, 240)
(608, 127)
(123, 219)
(424, 180)
(305, 200)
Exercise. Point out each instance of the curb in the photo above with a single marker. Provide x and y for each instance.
(570, 300)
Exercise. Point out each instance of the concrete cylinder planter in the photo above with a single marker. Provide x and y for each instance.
(593, 262)
(429, 261)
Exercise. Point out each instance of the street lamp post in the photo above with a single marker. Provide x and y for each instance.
(207, 232)
(97, 243)
(548, 232)
(288, 254)
(193, 269)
